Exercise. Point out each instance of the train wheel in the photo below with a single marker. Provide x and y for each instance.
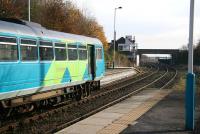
(88, 88)
(26, 108)
(5, 113)
(98, 85)
(78, 95)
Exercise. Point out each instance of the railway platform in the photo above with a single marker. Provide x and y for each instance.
(149, 112)
(117, 74)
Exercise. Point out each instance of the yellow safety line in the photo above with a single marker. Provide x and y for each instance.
(120, 124)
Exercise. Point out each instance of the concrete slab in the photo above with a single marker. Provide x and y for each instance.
(81, 129)
(108, 115)
(96, 121)
(126, 105)
(139, 99)
(118, 110)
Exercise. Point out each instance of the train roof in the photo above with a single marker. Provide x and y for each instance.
(22, 27)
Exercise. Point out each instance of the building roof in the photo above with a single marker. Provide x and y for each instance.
(121, 40)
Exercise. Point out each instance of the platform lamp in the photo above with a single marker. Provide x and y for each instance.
(115, 34)
(29, 10)
(190, 82)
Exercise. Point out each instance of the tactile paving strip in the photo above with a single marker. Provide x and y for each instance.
(120, 124)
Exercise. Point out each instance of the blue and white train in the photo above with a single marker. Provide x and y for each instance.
(45, 67)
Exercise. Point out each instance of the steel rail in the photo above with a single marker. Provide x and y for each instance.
(43, 115)
(11, 126)
(172, 79)
(107, 105)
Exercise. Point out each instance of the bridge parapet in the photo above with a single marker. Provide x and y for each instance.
(157, 51)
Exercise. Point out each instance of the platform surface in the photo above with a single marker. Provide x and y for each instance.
(117, 76)
(118, 117)
(167, 117)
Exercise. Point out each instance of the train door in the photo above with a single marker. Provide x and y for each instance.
(91, 61)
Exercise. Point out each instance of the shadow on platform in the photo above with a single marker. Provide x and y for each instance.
(166, 117)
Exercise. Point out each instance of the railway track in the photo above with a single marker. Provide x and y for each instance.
(115, 84)
(60, 117)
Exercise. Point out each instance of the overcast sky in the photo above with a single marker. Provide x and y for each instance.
(155, 23)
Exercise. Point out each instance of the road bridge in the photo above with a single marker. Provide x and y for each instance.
(172, 52)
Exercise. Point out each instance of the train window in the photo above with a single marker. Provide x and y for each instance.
(8, 49)
(8, 39)
(82, 52)
(29, 51)
(73, 45)
(72, 52)
(44, 43)
(60, 51)
(98, 53)
(46, 51)
(82, 47)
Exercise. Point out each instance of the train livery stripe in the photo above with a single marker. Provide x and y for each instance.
(57, 72)
(66, 76)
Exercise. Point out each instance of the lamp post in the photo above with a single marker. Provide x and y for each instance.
(29, 10)
(190, 83)
(115, 34)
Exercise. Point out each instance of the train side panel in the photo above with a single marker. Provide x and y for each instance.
(35, 77)
(16, 76)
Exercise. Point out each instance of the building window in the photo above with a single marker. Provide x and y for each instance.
(99, 53)
(120, 48)
(72, 51)
(82, 52)
(46, 51)
(29, 51)
(8, 49)
(60, 51)
(126, 48)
